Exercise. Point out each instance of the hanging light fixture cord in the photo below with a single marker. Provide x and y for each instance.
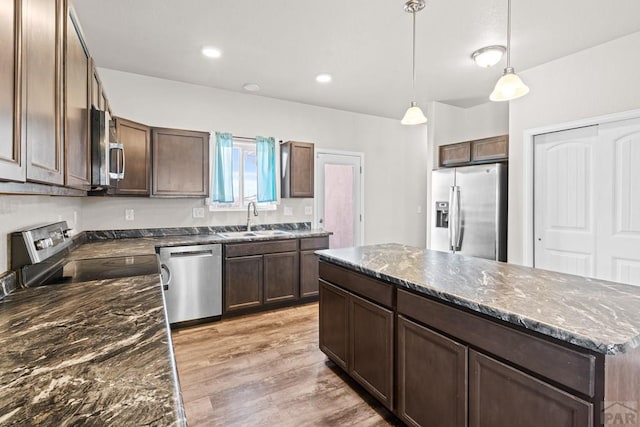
(508, 33)
(413, 82)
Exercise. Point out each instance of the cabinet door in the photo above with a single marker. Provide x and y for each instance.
(280, 276)
(334, 323)
(371, 348)
(42, 90)
(12, 152)
(308, 274)
(432, 377)
(136, 139)
(501, 396)
(180, 163)
(242, 282)
(453, 154)
(77, 101)
(490, 149)
(301, 169)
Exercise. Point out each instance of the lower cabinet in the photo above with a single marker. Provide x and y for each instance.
(358, 336)
(245, 273)
(502, 396)
(432, 377)
(309, 264)
(280, 277)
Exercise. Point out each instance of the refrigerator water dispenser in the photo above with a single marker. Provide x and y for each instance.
(442, 214)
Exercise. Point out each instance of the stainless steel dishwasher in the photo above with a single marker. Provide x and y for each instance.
(192, 281)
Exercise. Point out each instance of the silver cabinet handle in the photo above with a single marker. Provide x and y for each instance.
(165, 285)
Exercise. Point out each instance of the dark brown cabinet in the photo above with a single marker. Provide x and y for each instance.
(502, 396)
(309, 264)
(432, 377)
(77, 91)
(42, 107)
(494, 149)
(280, 277)
(367, 355)
(180, 163)
(260, 273)
(12, 150)
(297, 160)
(243, 282)
(136, 139)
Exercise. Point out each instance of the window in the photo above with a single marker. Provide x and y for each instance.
(245, 179)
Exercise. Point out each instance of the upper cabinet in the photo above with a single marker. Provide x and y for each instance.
(42, 90)
(12, 153)
(77, 90)
(180, 163)
(296, 160)
(136, 139)
(494, 149)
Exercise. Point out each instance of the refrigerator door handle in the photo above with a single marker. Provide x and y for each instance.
(458, 224)
(452, 218)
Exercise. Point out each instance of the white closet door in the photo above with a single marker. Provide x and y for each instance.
(564, 204)
(618, 203)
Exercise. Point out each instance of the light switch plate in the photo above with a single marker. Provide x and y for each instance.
(198, 212)
(129, 214)
(308, 210)
(288, 211)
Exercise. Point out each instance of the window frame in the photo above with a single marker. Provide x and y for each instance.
(244, 146)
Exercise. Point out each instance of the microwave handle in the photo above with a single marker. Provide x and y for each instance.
(118, 174)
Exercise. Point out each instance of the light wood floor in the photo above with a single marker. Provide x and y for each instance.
(266, 370)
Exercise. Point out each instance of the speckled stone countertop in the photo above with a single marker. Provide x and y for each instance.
(592, 314)
(147, 245)
(92, 353)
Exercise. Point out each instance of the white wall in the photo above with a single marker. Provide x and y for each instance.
(450, 124)
(395, 155)
(594, 82)
(18, 212)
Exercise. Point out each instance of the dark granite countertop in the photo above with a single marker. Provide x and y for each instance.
(147, 245)
(96, 353)
(592, 314)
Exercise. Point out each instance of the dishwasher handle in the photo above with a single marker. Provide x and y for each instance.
(165, 285)
(194, 253)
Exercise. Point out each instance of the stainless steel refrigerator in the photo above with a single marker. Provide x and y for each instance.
(469, 213)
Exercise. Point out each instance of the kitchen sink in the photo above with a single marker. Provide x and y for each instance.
(250, 234)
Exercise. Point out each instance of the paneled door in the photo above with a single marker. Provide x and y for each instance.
(618, 202)
(587, 201)
(339, 195)
(564, 201)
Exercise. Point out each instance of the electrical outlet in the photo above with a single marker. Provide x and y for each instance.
(129, 215)
(288, 211)
(198, 212)
(308, 210)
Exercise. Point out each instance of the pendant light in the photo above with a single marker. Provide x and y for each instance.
(414, 115)
(509, 86)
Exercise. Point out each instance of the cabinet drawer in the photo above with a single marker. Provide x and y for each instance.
(375, 290)
(314, 243)
(571, 368)
(259, 248)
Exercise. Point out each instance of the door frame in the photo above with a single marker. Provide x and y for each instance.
(528, 241)
(316, 180)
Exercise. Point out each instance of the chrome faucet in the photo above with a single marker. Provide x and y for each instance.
(255, 213)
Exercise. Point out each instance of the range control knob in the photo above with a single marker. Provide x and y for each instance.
(43, 243)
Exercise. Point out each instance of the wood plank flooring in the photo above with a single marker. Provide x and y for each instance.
(266, 370)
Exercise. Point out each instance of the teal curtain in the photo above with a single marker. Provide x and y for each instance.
(266, 153)
(223, 173)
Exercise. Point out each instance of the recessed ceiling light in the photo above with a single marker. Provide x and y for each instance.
(488, 56)
(323, 78)
(251, 87)
(211, 52)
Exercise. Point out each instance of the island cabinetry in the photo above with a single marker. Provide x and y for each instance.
(259, 273)
(12, 150)
(356, 328)
(309, 264)
(432, 376)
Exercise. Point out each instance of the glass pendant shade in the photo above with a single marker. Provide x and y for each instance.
(509, 87)
(414, 115)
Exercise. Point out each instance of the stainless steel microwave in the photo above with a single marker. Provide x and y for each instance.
(107, 155)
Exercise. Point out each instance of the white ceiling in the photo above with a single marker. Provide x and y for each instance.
(366, 45)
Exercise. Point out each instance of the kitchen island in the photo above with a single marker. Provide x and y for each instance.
(440, 336)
